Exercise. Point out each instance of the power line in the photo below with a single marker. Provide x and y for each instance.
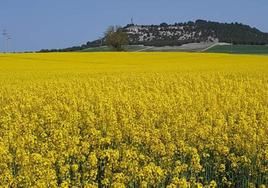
(4, 33)
(7, 38)
(8, 43)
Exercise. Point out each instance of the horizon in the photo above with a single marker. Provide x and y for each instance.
(45, 25)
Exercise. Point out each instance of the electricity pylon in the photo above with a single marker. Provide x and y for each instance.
(7, 37)
(4, 36)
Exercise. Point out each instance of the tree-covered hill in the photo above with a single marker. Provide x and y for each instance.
(183, 33)
(198, 31)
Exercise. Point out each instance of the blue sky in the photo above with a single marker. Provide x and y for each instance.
(38, 24)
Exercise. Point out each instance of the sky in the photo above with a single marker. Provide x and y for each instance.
(46, 24)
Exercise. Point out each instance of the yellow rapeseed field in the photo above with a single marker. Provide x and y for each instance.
(133, 120)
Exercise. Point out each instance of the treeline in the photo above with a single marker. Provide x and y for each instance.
(235, 33)
(166, 42)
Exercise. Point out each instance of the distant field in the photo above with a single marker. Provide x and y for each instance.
(98, 49)
(128, 48)
(192, 47)
(239, 49)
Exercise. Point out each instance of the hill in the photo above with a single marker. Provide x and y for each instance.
(177, 34)
(195, 32)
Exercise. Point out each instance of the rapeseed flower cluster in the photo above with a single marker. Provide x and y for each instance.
(133, 120)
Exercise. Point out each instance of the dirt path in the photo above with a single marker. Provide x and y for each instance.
(215, 44)
(144, 49)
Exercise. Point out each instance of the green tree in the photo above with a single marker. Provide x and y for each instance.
(116, 37)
